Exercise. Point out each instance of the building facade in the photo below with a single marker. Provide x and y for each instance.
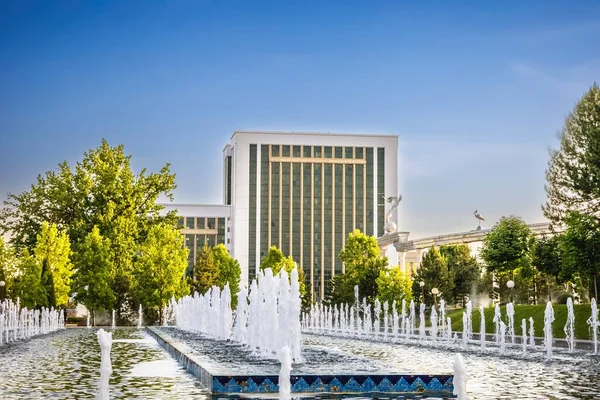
(304, 193)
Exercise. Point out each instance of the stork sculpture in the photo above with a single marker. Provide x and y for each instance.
(479, 219)
(394, 201)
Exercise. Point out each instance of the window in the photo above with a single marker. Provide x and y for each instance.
(307, 151)
(296, 151)
(275, 150)
(328, 152)
(349, 151)
(285, 151)
(339, 152)
(200, 223)
(318, 153)
(189, 222)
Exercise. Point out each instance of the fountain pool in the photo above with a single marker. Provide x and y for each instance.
(66, 365)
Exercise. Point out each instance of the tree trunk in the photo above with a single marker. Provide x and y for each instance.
(549, 292)
(596, 286)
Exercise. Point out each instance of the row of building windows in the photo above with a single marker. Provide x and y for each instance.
(317, 151)
(200, 223)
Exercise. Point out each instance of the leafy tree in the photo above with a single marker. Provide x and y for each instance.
(546, 258)
(8, 267)
(206, 271)
(580, 250)
(53, 252)
(573, 174)
(28, 284)
(99, 191)
(434, 273)
(507, 248)
(363, 266)
(96, 272)
(160, 268)
(393, 284)
(463, 269)
(276, 261)
(229, 271)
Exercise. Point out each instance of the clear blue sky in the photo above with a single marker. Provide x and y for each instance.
(476, 90)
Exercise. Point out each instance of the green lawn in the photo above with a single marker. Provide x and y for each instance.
(582, 313)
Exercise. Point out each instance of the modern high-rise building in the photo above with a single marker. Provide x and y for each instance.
(304, 192)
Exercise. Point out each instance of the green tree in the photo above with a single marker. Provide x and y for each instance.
(463, 269)
(363, 266)
(206, 271)
(276, 260)
(8, 267)
(28, 284)
(580, 250)
(546, 258)
(53, 251)
(507, 248)
(99, 191)
(96, 272)
(573, 174)
(393, 284)
(229, 271)
(160, 268)
(434, 273)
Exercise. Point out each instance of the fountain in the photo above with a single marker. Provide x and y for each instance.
(105, 341)
(531, 333)
(422, 321)
(413, 319)
(395, 321)
(442, 316)
(114, 325)
(285, 386)
(140, 317)
(524, 336)
(20, 323)
(594, 324)
(548, 319)
(460, 377)
(88, 320)
(449, 323)
(270, 321)
(385, 319)
(502, 337)
(469, 311)
(356, 307)
(434, 324)
(465, 335)
(482, 327)
(570, 325)
(497, 320)
(376, 322)
(510, 313)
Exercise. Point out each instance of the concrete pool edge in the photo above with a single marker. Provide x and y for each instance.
(303, 383)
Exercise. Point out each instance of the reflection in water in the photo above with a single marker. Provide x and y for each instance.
(66, 365)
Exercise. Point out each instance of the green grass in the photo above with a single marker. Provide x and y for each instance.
(582, 313)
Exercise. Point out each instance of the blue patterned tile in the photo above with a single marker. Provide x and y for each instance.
(300, 386)
(336, 383)
(352, 386)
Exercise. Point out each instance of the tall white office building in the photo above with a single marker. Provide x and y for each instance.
(304, 192)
